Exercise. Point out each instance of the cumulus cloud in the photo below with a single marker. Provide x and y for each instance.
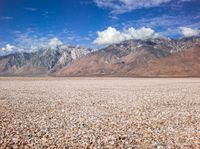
(8, 48)
(26, 43)
(54, 42)
(30, 43)
(35, 43)
(112, 35)
(122, 6)
(189, 32)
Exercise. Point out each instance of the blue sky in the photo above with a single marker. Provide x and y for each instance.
(27, 24)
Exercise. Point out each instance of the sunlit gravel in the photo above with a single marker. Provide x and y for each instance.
(99, 113)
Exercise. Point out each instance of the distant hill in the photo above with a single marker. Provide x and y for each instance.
(136, 58)
(153, 57)
(43, 62)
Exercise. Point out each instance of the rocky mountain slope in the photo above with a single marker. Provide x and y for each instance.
(42, 62)
(183, 64)
(153, 57)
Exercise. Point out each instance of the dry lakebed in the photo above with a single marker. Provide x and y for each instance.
(138, 113)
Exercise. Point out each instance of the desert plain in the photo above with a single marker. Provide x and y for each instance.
(141, 113)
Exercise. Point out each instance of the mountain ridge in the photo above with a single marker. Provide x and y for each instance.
(123, 58)
(41, 62)
(132, 58)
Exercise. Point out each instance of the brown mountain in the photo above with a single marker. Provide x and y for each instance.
(154, 57)
(183, 64)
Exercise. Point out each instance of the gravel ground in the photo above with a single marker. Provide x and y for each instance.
(99, 113)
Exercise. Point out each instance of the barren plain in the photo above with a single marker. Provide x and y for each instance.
(100, 113)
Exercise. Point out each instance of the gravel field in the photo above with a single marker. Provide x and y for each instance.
(99, 113)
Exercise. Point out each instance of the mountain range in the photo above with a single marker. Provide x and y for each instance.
(43, 62)
(161, 57)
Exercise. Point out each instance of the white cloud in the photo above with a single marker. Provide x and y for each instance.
(112, 35)
(189, 32)
(28, 43)
(30, 9)
(54, 42)
(31, 41)
(35, 43)
(122, 6)
(8, 48)
(6, 18)
(169, 24)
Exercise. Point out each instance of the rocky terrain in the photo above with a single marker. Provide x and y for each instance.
(132, 58)
(184, 64)
(43, 62)
(135, 58)
(99, 113)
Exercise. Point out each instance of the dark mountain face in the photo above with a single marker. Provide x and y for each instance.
(42, 62)
(126, 58)
(18, 60)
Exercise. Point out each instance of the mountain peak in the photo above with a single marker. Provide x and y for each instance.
(44, 61)
(125, 58)
(128, 57)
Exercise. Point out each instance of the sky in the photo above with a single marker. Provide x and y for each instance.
(28, 25)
